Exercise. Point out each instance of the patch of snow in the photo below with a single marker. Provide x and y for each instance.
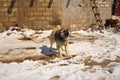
(105, 46)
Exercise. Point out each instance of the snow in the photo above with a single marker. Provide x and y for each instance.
(94, 56)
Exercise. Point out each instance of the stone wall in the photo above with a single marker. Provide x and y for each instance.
(105, 8)
(41, 15)
(37, 16)
(80, 12)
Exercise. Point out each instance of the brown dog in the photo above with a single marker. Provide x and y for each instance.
(60, 36)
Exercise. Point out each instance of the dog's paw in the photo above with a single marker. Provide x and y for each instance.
(60, 56)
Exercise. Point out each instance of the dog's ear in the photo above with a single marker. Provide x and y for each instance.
(68, 29)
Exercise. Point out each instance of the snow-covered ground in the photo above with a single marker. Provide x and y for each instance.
(94, 56)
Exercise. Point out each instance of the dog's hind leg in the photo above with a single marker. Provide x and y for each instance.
(51, 44)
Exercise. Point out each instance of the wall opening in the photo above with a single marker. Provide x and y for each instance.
(116, 8)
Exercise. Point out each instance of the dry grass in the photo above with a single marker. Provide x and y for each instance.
(21, 54)
(104, 63)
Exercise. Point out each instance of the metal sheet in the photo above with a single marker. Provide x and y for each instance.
(117, 9)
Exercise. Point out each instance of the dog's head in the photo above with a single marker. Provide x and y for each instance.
(65, 33)
(62, 34)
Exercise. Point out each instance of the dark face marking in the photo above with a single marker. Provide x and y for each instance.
(61, 35)
(66, 33)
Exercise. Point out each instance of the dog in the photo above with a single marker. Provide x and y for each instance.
(52, 36)
(60, 37)
(112, 23)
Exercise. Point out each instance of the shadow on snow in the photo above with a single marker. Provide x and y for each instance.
(46, 50)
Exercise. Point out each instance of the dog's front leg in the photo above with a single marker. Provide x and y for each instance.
(66, 50)
(60, 55)
(59, 52)
(62, 48)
